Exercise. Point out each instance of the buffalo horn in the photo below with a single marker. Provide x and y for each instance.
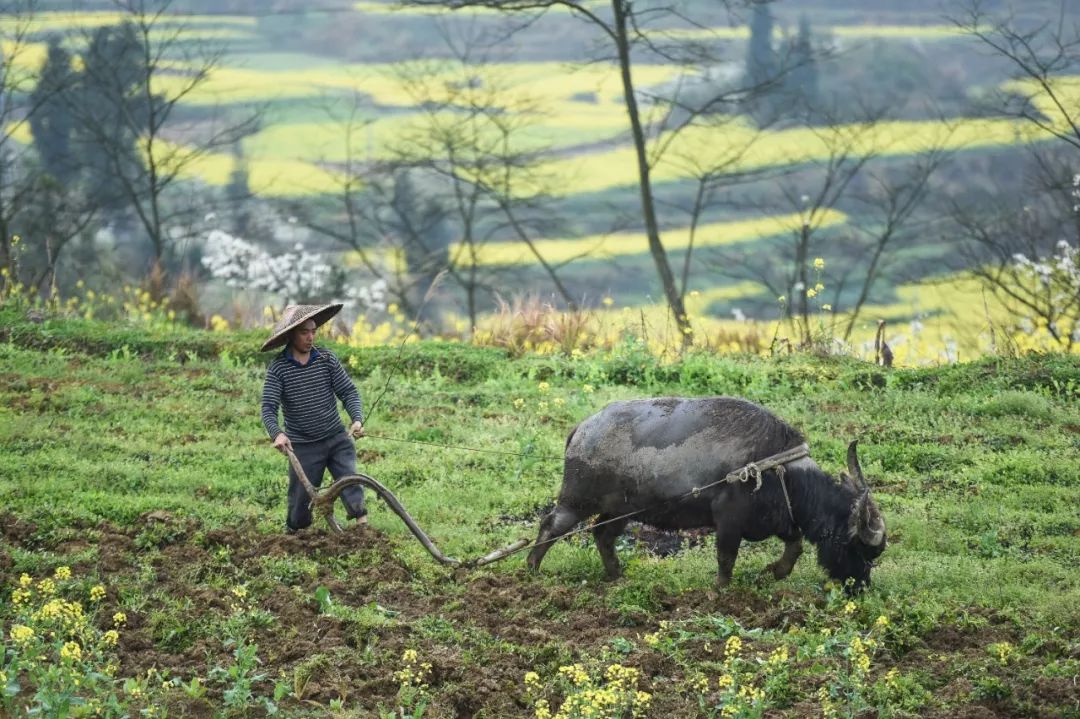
(853, 463)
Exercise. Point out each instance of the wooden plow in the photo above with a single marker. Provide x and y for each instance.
(322, 503)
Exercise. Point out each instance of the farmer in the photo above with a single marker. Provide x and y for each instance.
(304, 381)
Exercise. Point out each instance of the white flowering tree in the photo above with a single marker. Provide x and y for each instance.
(294, 276)
(1023, 238)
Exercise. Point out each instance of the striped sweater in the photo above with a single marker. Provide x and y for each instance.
(307, 395)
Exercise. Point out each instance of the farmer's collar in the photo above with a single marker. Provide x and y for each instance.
(287, 353)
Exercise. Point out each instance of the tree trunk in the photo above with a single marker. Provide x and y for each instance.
(656, 247)
(801, 254)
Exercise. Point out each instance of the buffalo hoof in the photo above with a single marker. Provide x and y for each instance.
(722, 581)
(779, 570)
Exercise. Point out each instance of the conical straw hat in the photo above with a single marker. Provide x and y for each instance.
(296, 315)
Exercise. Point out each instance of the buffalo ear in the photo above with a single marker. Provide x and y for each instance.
(869, 524)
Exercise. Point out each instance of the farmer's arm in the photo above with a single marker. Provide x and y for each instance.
(347, 393)
(271, 401)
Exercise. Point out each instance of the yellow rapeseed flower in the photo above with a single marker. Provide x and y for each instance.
(20, 597)
(819, 264)
(62, 574)
(519, 403)
(71, 651)
(111, 637)
(587, 389)
(732, 647)
(25, 580)
(46, 587)
(119, 618)
(240, 591)
(543, 386)
(97, 592)
(882, 621)
(575, 673)
(811, 293)
(21, 634)
(724, 681)
(409, 656)
(849, 608)
(826, 308)
(608, 302)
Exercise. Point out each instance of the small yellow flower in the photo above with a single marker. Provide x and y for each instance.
(558, 401)
(542, 406)
(732, 647)
(71, 651)
(119, 618)
(46, 587)
(608, 302)
(724, 681)
(588, 389)
(850, 608)
(819, 264)
(811, 293)
(21, 634)
(826, 308)
(782, 299)
(409, 656)
(819, 287)
(25, 580)
(62, 574)
(97, 593)
(882, 621)
(111, 637)
(519, 403)
(240, 591)
(543, 386)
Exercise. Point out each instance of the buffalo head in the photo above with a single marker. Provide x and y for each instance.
(862, 539)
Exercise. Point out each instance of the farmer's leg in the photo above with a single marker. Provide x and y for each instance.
(341, 461)
(312, 456)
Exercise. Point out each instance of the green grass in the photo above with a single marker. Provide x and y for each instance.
(974, 467)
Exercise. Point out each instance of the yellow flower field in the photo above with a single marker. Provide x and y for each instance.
(933, 322)
(622, 244)
(699, 148)
(742, 32)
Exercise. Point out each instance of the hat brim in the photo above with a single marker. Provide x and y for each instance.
(321, 317)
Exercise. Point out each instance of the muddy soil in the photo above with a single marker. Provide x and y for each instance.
(480, 631)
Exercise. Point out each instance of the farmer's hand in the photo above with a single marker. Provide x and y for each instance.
(357, 429)
(281, 442)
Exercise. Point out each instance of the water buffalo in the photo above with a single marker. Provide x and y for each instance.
(651, 454)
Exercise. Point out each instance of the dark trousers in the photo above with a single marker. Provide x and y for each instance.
(336, 453)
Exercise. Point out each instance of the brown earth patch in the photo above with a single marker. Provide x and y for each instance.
(481, 632)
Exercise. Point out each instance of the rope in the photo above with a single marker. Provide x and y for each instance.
(468, 449)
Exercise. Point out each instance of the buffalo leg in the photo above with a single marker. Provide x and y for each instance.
(727, 551)
(560, 521)
(792, 551)
(728, 537)
(605, 536)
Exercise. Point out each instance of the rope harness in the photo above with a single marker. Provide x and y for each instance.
(323, 502)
